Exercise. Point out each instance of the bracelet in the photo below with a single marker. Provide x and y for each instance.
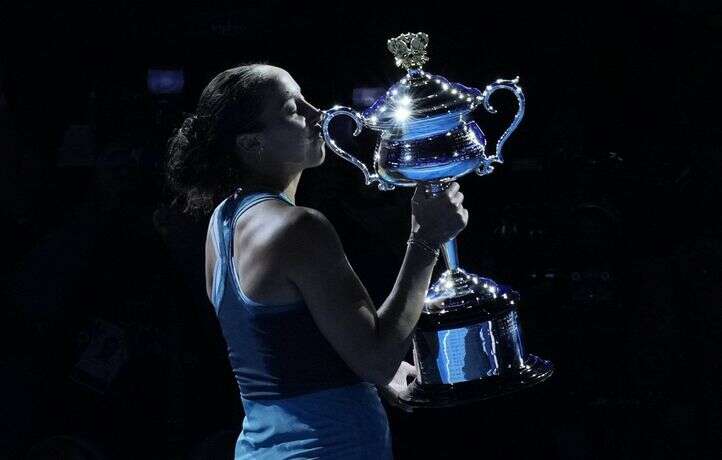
(423, 245)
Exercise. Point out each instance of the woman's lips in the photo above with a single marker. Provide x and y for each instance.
(316, 132)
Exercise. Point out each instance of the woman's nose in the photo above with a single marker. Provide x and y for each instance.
(313, 114)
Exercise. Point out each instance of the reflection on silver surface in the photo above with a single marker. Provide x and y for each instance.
(484, 349)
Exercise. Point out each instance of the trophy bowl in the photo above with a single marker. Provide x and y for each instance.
(468, 343)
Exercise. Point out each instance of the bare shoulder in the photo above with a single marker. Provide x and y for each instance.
(307, 220)
(308, 237)
(304, 226)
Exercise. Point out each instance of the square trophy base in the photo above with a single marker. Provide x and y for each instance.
(419, 396)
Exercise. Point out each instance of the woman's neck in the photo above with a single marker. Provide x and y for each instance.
(286, 184)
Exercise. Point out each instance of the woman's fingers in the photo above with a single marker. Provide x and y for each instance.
(410, 369)
(452, 189)
(457, 199)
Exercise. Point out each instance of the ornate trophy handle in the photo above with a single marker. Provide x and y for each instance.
(510, 85)
(328, 115)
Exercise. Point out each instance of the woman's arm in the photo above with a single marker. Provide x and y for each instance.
(372, 344)
(210, 261)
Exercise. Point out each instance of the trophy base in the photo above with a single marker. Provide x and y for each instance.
(419, 396)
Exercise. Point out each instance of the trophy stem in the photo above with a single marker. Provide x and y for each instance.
(451, 255)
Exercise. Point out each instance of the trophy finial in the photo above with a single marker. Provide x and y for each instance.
(409, 49)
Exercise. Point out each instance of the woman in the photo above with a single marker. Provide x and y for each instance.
(305, 341)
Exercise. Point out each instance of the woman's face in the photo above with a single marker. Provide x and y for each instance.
(290, 136)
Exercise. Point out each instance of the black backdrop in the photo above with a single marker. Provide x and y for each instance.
(603, 218)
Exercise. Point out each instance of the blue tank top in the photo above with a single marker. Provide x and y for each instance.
(300, 399)
(275, 351)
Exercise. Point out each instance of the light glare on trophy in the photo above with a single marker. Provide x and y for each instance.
(468, 344)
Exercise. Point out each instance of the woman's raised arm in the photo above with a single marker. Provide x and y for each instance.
(371, 342)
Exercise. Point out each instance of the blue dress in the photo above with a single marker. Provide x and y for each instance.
(300, 399)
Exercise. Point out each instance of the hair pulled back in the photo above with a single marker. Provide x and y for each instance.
(203, 166)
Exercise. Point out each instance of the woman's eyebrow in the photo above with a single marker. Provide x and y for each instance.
(287, 97)
(291, 96)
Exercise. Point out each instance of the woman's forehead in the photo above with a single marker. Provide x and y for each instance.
(285, 85)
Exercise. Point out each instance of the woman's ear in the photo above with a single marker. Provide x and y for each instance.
(250, 146)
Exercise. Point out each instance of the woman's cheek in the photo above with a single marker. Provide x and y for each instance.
(296, 132)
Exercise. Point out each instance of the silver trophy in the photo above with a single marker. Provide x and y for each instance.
(468, 344)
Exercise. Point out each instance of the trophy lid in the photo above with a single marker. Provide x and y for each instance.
(420, 100)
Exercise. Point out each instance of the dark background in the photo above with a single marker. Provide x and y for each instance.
(605, 217)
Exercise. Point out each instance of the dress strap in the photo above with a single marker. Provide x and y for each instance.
(243, 203)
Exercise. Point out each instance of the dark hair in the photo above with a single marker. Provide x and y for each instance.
(202, 166)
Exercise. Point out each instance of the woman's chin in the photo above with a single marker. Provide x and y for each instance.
(319, 155)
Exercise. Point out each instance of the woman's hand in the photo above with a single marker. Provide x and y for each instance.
(440, 218)
(405, 374)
